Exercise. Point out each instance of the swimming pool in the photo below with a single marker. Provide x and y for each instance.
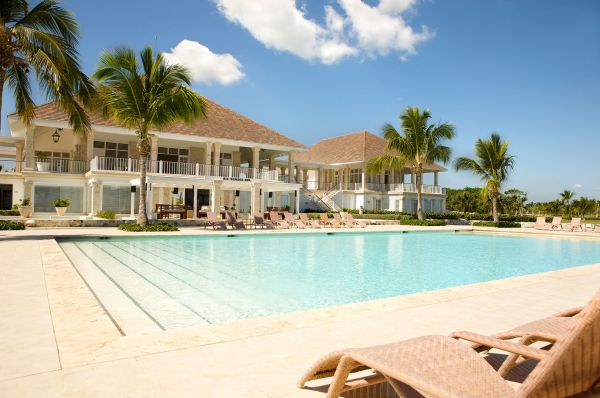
(191, 280)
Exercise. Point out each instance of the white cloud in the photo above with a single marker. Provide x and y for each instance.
(356, 28)
(577, 186)
(205, 66)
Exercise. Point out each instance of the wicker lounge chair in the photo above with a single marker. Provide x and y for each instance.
(574, 225)
(338, 222)
(446, 367)
(259, 221)
(325, 220)
(215, 221)
(274, 216)
(289, 218)
(540, 223)
(234, 222)
(354, 223)
(308, 222)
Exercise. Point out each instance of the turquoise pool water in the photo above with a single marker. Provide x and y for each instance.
(185, 281)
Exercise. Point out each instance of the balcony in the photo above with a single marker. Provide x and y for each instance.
(161, 167)
(399, 187)
(61, 166)
(9, 165)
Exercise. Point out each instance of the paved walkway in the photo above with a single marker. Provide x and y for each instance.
(56, 340)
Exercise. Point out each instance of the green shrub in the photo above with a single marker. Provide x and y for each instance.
(152, 227)
(61, 202)
(107, 214)
(11, 225)
(383, 216)
(499, 224)
(424, 223)
(9, 213)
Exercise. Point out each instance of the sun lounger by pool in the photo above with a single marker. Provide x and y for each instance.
(325, 220)
(289, 218)
(350, 221)
(540, 223)
(556, 224)
(259, 221)
(446, 367)
(215, 221)
(234, 222)
(308, 222)
(574, 225)
(274, 216)
(338, 222)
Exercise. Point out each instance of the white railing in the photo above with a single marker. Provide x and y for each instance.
(60, 166)
(399, 187)
(351, 186)
(10, 166)
(189, 169)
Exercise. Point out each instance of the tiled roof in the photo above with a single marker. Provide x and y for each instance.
(221, 122)
(354, 147)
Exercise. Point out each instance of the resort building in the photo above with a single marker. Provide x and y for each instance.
(224, 162)
(333, 173)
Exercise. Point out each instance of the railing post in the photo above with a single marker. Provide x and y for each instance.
(197, 171)
(160, 167)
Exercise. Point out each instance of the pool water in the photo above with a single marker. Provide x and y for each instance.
(192, 280)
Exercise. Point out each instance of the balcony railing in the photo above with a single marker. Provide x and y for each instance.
(399, 187)
(61, 166)
(186, 169)
(9, 166)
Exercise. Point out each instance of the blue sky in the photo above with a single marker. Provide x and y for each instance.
(529, 70)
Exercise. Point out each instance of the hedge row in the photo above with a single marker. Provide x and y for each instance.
(450, 215)
(153, 227)
(425, 223)
(500, 224)
(11, 225)
(9, 213)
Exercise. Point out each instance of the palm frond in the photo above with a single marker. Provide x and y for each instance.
(385, 162)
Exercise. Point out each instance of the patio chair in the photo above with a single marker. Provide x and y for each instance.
(338, 222)
(215, 221)
(446, 367)
(289, 218)
(234, 222)
(274, 216)
(325, 220)
(556, 224)
(259, 221)
(308, 222)
(354, 223)
(574, 225)
(540, 223)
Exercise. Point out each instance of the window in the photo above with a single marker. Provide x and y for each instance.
(43, 197)
(356, 175)
(181, 154)
(111, 149)
(225, 156)
(117, 198)
(52, 155)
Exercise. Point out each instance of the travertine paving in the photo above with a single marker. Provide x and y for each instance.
(57, 341)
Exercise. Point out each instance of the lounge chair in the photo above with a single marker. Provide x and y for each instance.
(556, 224)
(289, 218)
(308, 222)
(540, 223)
(274, 216)
(259, 221)
(574, 225)
(215, 221)
(325, 220)
(446, 367)
(234, 222)
(354, 223)
(338, 222)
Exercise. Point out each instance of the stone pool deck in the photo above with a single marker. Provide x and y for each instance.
(56, 340)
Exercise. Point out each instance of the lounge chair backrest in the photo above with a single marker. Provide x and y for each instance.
(212, 217)
(556, 220)
(540, 221)
(304, 217)
(274, 216)
(288, 217)
(324, 217)
(231, 217)
(573, 363)
(258, 219)
(349, 218)
(336, 216)
(575, 221)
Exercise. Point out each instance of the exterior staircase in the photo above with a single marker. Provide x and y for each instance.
(319, 200)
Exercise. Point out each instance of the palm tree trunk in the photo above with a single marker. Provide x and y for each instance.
(495, 207)
(419, 178)
(1, 90)
(144, 148)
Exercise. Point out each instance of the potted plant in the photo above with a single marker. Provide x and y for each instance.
(24, 207)
(42, 161)
(60, 205)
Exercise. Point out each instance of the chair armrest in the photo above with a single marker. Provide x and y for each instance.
(508, 346)
(570, 312)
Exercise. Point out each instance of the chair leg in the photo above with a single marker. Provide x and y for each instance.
(340, 377)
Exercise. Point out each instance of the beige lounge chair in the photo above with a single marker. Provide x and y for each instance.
(259, 221)
(274, 216)
(540, 223)
(289, 218)
(215, 221)
(556, 224)
(338, 222)
(574, 225)
(308, 222)
(354, 223)
(443, 366)
(233, 221)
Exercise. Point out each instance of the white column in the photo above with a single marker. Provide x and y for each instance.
(272, 161)
(96, 198)
(297, 193)
(89, 146)
(255, 157)
(297, 173)
(255, 198)
(19, 156)
(215, 196)
(195, 202)
(217, 157)
(435, 178)
(149, 211)
(320, 178)
(291, 166)
(132, 204)
(364, 178)
(29, 151)
(207, 153)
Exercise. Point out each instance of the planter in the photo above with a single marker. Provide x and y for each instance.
(60, 211)
(42, 166)
(25, 211)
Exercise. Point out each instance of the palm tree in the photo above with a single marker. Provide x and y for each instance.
(144, 95)
(493, 165)
(566, 197)
(419, 143)
(583, 206)
(42, 40)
